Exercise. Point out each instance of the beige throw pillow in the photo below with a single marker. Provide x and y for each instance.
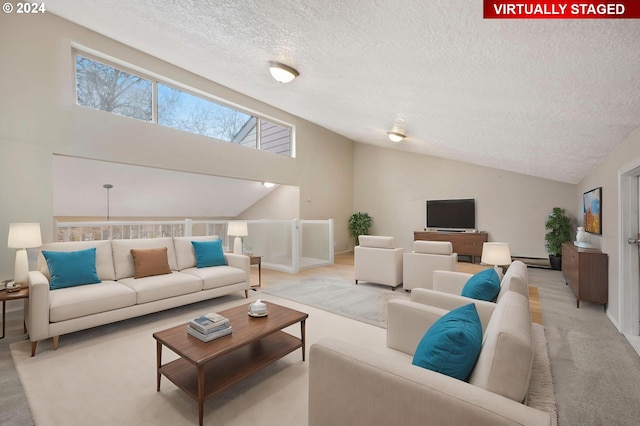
(149, 262)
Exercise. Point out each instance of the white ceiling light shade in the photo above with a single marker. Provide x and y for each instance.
(281, 72)
(268, 184)
(396, 136)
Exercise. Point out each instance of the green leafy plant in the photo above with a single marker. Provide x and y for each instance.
(359, 224)
(559, 229)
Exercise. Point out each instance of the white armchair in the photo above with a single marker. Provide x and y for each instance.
(427, 257)
(376, 260)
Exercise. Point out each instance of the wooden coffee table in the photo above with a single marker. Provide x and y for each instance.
(205, 369)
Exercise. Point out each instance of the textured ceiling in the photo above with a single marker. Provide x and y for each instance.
(548, 98)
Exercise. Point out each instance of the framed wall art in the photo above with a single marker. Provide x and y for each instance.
(592, 206)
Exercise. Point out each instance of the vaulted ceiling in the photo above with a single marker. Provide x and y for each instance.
(547, 98)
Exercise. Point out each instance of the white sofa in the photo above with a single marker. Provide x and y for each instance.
(51, 313)
(425, 258)
(376, 260)
(515, 279)
(447, 289)
(373, 386)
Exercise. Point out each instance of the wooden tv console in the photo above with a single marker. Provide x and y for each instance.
(464, 243)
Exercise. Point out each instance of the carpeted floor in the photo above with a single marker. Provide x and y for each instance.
(596, 373)
(111, 370)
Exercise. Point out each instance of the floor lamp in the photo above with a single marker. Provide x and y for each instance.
(23, 236)
(238, 230)
(496, 254)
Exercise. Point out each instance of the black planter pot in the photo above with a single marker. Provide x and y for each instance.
(556, 262)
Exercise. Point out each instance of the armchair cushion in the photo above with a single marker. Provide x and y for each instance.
(485, 285)
(377, 241)
(433, 247)
(452, 344)
(71, 268)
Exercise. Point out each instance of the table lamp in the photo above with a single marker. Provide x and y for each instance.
(23, 236)
(496, 254)
(238, 230)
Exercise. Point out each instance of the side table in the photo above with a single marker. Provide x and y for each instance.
(23, 293)
(257, 260)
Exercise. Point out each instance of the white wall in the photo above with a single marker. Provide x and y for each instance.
(393, 186)
(283, 203)
(39, 118)
(606, 176)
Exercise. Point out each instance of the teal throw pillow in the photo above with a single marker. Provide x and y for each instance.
(209, 253)
(484, 285)
(452, 345)
(71, 268)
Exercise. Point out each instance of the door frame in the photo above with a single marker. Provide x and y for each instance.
(629, 269)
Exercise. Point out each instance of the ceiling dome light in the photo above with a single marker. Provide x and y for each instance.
(396, 136)
(281, 72)
(268, 184)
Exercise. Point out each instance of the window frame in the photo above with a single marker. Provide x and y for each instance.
(156, 79)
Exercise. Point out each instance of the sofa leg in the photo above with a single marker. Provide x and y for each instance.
(33, 348)
(246, 294)
(55, 342)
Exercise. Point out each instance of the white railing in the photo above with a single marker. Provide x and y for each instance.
(285, 245)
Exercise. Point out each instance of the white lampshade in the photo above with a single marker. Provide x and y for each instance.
(282, 73)
(237, 229)
(496, 254)
(24, 235)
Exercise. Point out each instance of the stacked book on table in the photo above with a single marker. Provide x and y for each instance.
(209, 327)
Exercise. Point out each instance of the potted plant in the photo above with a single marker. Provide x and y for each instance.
(359, 224)
(559, 229)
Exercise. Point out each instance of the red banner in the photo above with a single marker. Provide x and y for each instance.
(543, 9)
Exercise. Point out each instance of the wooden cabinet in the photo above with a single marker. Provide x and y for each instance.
(586, 271)
(464, 243)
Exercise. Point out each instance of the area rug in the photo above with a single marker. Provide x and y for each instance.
(363, 302)
(106, 375)
(541, 394)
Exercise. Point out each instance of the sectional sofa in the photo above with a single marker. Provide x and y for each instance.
(127, 286)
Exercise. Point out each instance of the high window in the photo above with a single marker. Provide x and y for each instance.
(109, 89)
(112, 89)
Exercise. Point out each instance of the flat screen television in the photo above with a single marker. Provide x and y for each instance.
(457, 214)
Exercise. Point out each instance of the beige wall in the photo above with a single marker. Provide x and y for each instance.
(39, 118)
(283, 203)
(606, 176)
(393, 186)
